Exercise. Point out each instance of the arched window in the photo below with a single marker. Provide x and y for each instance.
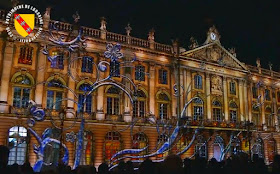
(54, 94)
(235, 145)
(139, 141)
(112, 145)
(25, 55)
(218, 146)
(85, 101)
(163, 105)
(58, 60)
(162, 139)
(22, 91)
(87, 64)
(113, 101)
(271, 149)
(87, 156)
(217, 110)
(139, 106)
(201, 147)
(17, 143)
(258, 148)
(51, 152)
(197, 109)
(140, 73)
(269, 116)
(233, 112)
(198, 81)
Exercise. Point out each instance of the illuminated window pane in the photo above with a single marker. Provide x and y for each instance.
(87, 63)
(25, 55)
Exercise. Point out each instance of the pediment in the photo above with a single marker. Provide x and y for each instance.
(215, 53)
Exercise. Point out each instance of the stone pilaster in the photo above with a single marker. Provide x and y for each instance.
(241, 100)
(152, 81)
(100, 101)
(208, 96)
(245, 89)
(225, 89)
(41, 69)
(6, 76)
(127, 104)
(189, 92)
(250, 101)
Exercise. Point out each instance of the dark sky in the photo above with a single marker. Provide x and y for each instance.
(252, 27)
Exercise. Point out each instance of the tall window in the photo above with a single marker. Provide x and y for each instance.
(17, 143)
(163, 104)
(51, 152)
(112, 145)
(85, 101)
(25, 55)
(217, 111)
(201, 147)
(232, 88)
(22, 90)
(87, 153)
(197, 109)
(258, 148)
(162, 76)
(198, 81)
(140, 141)
(57, 61)
(54, 94)
(278, 96)
(140, 73)
(139, 105)
(113, 101)
(162, 139)
(87, 63)
(233, 112)
(255, 92)
(267, 95)
(269, 116)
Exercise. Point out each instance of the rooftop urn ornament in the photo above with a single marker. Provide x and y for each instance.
(258, 62)
(151, 35)
(194, 43)
(103, 23)
(128, 29)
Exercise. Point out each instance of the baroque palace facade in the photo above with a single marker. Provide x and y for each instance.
(231, 95)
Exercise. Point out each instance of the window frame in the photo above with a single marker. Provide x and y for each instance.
(163, 76)
(140, 73)
(55, 90)
(22, 87)
(87, 64)
(198, 110)
(114, 103)
(198, 82)
(27, 53)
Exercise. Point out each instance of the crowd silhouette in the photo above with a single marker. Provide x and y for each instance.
(236, 164)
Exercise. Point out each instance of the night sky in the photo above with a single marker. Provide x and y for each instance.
(252, 27)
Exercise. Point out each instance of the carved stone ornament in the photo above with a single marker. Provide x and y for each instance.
(216, 85)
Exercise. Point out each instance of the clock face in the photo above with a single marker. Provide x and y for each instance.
(213, 36)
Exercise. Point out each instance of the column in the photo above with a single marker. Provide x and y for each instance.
(182, 82)
(246, 113)
(208, 96)
(185, 85)
(127, 103)
(225, 98)
(152, 89)
(274, 105)
(189, 92)
(241, 99)
(72, 86)
(41, 69)
(250, 98)
(262, 108)
(5, 79)
(100, 101)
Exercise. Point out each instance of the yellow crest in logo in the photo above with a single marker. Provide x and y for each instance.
(24, 23)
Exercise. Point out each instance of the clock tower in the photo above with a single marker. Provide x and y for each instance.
(212, 35)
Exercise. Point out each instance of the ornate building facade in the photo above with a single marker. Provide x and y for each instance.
(230, 95)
